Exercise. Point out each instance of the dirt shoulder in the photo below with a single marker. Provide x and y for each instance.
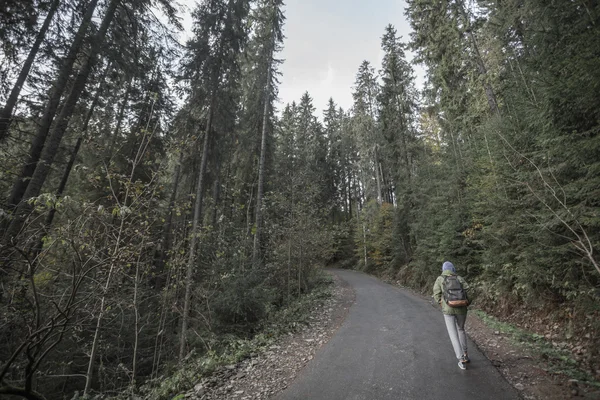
(526, 370)
(264, 375)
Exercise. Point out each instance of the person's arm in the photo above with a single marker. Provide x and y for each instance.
(465, 286)
(437, 290)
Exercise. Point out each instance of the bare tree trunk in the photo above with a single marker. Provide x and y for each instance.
(166, 239)
(377, 176)
(137, 317)
(7, 111)
(349, 193)
(385, 185)
(403, 131)
(489, 91)
(289, 263)
(256, 250)
(90, 369)
(158, 341)
(300, 262)
(364, 229)
(51, 147)
(344, 191)
(289, 268)
(58, 87)
(120, 117)
(195, 229)
(216, 192)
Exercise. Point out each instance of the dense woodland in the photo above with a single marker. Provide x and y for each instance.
(155, 200)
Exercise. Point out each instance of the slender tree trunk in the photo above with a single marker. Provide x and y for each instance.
(58, 87)
(481, 69)
(65, 178)
(344, 192)
(257, 250)
(195, 229)
(289, 268)
(90, 370)
(120, 117)
(489, 91)
(349, 193)
(7, 111)
(292, 221)
(385, 186)
(216, 191)
(137, 318)
(51, 147)
(403, 131)
(159, 339)
(166, 239)
(378, 178)
(300, 261)
(364, 229)
(75, 151)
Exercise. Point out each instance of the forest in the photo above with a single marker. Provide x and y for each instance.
(157, 202)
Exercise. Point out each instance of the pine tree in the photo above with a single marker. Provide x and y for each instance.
(212, 58)
(266, 42)
(398, 104)
(9, 106)
(366, 131)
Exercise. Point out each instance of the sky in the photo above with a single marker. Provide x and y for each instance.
(326, 41)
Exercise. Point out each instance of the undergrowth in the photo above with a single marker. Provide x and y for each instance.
(559, 360)
(231, 349)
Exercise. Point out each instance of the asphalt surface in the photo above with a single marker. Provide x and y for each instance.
(394, 345)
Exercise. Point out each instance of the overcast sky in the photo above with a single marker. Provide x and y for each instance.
(326, 40)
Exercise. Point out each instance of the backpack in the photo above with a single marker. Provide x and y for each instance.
(454, 294)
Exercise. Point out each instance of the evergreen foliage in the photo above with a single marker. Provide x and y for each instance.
(156, 202)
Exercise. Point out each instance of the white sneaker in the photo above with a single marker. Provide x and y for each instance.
(461, 365)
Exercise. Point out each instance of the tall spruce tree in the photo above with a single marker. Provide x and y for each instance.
(398, 104)
(266, 43)
(368, 137)
(212, 57)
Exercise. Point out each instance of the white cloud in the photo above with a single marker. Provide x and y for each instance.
(329, 76)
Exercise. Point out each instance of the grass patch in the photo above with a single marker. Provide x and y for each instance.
(559, 360)
(231, 349)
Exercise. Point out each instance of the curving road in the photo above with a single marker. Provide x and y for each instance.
(394, 345)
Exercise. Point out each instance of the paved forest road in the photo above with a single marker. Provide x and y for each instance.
(394, 345)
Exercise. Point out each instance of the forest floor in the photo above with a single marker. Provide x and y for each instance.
(268, 373)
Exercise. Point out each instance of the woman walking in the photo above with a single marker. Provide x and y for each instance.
(450, 291)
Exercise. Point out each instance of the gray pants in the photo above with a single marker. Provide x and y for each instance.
(456, 330)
